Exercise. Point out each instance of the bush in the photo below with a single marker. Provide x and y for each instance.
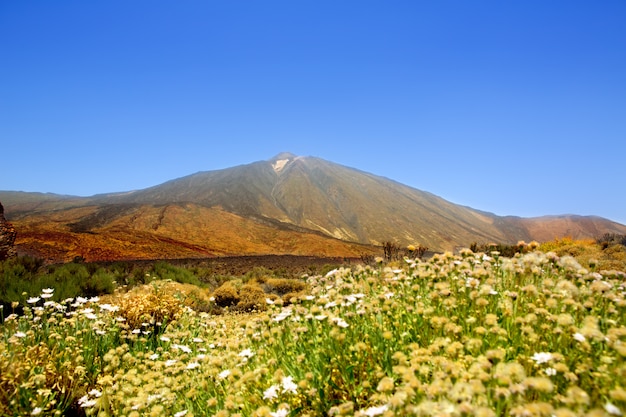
(152, 310)
(17, 276)
(282, 286)
(238, 296)
(73, 280)
(24, 277)
(164, 270)
(198, 300)
(101, 282)
(258, 273)
(503, 249)
(251, 297)
(611, 239)
(561, 245)
(227, 295)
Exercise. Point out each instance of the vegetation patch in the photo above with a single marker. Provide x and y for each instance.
(477, 333)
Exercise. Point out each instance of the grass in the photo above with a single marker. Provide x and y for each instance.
(536, 334)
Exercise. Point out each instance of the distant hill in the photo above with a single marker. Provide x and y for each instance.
(286, 205)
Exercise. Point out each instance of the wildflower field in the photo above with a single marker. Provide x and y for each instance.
(474, 334)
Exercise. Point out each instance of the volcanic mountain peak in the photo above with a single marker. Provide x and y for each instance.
(286, 204)
(284, 155)
(280, 161)
(279, 165)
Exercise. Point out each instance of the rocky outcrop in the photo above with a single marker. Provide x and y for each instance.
(7, 237)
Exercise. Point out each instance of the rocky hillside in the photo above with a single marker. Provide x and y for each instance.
(356, 206)
(7, 237)
(285, 205)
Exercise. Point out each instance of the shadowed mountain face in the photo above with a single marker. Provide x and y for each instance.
(288, 204)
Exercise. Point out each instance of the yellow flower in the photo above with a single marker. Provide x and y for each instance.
(618, 394)
(345, 409)
(576, 396)
(484, 412)
(540, 384)
(564, 412)
(386, 384)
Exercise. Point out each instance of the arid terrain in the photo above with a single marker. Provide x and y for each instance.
(288, 205)
(280, 265)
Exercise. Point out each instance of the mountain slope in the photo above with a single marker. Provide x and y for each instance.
(285, 205)
(126, 231)
(356, 206)
(319, 195)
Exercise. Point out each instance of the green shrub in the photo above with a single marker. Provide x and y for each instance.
(68, 281)
(101, 282)
(165, 270)
(24, 277)
(258, 273)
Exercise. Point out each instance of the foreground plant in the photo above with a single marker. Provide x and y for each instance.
(474, 334)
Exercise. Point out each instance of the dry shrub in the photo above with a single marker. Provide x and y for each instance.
(287, 289)
(567, 246)
(589, 253)
(227, 295)
(282, 286)
(292, 297)
(189, 295)
(199, 300)
(241, 297)
(154, 308)
(251, 297)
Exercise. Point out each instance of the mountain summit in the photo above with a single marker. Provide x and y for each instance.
(322, 196)
(281, 160)
(338, 201)
(294, 204)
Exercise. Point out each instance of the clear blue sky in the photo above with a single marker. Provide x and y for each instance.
(512, 107)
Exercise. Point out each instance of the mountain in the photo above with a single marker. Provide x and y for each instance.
(288, 204)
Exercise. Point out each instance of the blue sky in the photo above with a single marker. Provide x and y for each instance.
(512, 107)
